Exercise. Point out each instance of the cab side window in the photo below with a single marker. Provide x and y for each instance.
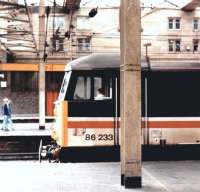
(102, 88)
(83, 88)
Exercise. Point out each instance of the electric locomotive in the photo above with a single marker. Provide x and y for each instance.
(87, 127)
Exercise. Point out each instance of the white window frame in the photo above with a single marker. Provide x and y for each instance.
(194, 23)
(170, 23)
(84, 46)
(173, 22)
(174, 43)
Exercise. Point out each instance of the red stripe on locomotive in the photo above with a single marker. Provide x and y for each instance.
(151, 124)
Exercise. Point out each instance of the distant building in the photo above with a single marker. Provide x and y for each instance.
(171, 34)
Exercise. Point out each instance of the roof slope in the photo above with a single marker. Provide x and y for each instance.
(95, 61)
(112, 61)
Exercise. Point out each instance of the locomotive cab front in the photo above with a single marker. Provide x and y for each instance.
(87, 109)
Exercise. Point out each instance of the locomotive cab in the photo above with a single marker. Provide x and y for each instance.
(82, 93)
(87, 109)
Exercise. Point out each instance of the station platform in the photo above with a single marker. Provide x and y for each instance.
(173, 176)
(27, 125)
(23, 142)
(27, 129)
(27, 118)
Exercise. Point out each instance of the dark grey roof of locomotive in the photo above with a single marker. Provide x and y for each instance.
(112, 61)
(96, 61)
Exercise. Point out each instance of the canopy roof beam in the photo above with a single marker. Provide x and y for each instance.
(11, 4)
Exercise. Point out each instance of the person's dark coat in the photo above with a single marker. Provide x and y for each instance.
(6, 109)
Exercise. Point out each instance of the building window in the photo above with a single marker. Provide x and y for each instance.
(195, 24)
(24, 81)
(171, 45)
(174, 45)
(84, 44)
(57, 44)
(174, 23)
(177, 45)
(170, 23)
(59, 22)
(177, 24)
(195, 45)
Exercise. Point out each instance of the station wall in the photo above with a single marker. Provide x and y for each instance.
(23, 102)
(22, 89)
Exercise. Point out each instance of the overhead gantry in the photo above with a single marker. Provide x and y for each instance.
(16, 29)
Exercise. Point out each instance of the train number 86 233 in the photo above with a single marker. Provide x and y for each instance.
(99, 137)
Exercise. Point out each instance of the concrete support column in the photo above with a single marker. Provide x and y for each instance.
(42, 65)
(131, 88)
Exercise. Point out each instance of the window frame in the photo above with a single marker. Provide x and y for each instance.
(197, 43)
(197, 24)
(173, 45)
(170, 23)
(87, 84)
(91, 74)
(177, 23)
(58, 42)
(173, 22)
(84, 46)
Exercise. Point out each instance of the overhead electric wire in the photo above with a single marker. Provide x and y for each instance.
(54, 15)
(48, 9)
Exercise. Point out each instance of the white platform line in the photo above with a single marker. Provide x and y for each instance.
(156, 181)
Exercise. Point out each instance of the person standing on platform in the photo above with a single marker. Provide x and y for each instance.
(7, 111)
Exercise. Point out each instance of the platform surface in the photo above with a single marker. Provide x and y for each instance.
(27, 129)
(31, 176)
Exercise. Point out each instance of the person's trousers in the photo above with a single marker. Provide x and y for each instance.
(7, 123)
